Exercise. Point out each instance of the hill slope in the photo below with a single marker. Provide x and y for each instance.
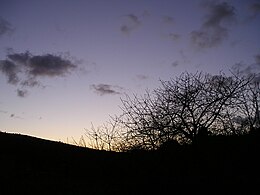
(35, 166)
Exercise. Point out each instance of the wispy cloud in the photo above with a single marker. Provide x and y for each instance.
(175, 63)
(25, 69)
(174, 36)
(3, 111)
(142, 77)
(213, 31)
(15, 116)
(168, 20)
(106, 89)
(5, 27)
(131, 24)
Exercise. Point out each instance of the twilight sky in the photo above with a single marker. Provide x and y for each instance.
(66, 63)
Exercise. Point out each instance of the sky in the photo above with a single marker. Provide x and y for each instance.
(65, 64)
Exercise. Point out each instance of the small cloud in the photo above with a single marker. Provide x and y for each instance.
(125, 29)
(134, 19)
(167, 20)
(212, 32)
(174, 36)
(132, 23)
(21, 93)
(106, 89)
(5, 27)
(142, 77)
(14, 116)
(175, 63)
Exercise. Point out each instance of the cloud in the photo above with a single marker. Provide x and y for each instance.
(255, 9)
(14, 116)
(5, 27)
(25, 69)
(167, 19)
(174, 36)
(49, 65)
(133, 18)
(131, 24)
(42, 65)
(142, 77)
(175, 63)
(22, 93)
(213, 31)
(106, 89)
(10, 70)
(253, 12)
(125, 29)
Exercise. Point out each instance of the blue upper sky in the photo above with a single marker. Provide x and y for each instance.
(65, 64)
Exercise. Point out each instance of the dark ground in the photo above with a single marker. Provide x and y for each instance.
(219, 165)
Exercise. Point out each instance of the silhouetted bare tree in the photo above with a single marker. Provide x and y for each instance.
(106, 137)
(183, 109)
(248, 113)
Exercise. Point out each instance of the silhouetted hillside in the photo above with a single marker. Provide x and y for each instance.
(217, 165)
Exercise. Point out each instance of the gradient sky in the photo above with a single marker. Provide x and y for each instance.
(66, 63)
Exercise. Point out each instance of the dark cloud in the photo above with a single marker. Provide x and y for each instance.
(19, 58)
(49, 65)
(106, 89)
(5, 27)
(213, 30)
(42, 65)
(175, 63)
(253, 12)
(22, 93)
(132, 23)
(25, 69)
(255, 8)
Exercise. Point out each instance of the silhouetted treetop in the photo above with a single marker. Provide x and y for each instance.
(188, 107)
